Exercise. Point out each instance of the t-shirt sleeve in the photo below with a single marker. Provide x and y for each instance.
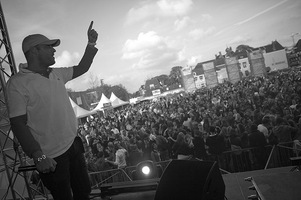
(16, 100)
(64, 73)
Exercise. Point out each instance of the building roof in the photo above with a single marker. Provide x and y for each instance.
(274, 46)
(298, 46)
(199, 69)
(219, 61)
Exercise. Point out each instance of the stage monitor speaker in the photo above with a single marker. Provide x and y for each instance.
(191, 179)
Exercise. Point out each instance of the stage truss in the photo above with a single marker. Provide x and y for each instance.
(14, 184)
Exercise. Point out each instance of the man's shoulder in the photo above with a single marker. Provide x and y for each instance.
(16, 79)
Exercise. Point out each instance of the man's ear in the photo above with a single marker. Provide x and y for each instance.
(34, 51)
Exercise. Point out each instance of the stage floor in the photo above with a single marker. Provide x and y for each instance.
(236, 186)
(238, 189)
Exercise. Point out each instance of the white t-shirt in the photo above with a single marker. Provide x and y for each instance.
(120, 160)
(50, 116)
(263, 129)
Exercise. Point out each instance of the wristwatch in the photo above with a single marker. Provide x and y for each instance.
(92, 43)
(43, 157)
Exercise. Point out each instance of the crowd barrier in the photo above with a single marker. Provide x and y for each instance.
(248, 159)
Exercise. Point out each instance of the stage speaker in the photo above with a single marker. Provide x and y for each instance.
(191, 179)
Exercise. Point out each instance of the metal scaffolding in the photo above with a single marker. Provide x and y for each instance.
(14, 184)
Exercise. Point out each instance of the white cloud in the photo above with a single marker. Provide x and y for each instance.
(174, 7)
(189, 61)
(182, 54)
(67, 59)
(240, 39)
(157, 59)
(140, 47)
(182, 23)
(199, 33)
(207, 17)
(133, 79)
(152, 50)
(194, 60)
(139, 14)
(161, 8)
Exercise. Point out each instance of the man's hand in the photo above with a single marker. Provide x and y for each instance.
(47, 165)
(44, 164)
(92, 34)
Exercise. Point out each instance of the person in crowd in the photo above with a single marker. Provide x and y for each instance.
(215, 142)
(110, 152)
(120, 156)
(237, 105)
(146, 147)
(244, 137)
(284, 131)
(90, 160)
(100, 161)
(243, 134)
(183, 147)
(135, 155)
(236, 148)
(199, 145)
(162, 147)
(43, 119)
(263, 127)
(155, 154)
(258, 140)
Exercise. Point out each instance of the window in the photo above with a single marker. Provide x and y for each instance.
(244, 64)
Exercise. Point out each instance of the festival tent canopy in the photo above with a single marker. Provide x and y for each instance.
(79, 111)
(103, 100)
(116, 102)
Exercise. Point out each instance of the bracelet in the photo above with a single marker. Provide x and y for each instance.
(43, 157)
(92, 43)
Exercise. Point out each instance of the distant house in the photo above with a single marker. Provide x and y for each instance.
(275, 57)
(152, 87)
(298, 46)
(274, 46)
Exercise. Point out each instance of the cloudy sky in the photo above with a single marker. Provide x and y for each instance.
(140, 39)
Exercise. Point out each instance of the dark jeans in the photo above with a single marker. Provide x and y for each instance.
(70, 180)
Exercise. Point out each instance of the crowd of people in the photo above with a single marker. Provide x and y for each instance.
(251, 113)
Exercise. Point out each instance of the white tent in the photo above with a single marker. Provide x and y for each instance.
(79, 111)
(116, 102)
(104, 102)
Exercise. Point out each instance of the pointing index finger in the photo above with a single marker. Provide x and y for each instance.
(90, 27)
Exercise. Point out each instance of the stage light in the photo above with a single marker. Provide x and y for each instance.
(146, 170)
(145, 179)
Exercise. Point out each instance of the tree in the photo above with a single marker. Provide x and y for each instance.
(120, 92)
(162, 79)
(106, 90)
(136, 94)
(175, 75)
(93, 81)
(243, 48)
